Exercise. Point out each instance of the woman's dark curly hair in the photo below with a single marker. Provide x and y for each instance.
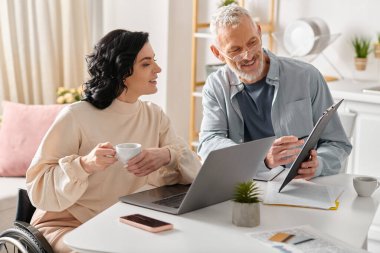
(109, 64)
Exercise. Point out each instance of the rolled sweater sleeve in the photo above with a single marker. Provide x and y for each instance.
(184, 163)
(55, 179)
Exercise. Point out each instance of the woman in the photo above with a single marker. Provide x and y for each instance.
(75, 173)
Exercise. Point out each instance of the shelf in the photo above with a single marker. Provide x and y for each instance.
(203, 35)
(265, 28)
(197, 94)
(199, 84)
(203, 25)
(195, 144)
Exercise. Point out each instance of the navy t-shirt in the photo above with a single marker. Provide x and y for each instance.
(255, 102)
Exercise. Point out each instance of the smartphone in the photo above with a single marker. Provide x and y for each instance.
(146, 223)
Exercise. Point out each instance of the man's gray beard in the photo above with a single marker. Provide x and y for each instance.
(251, 77)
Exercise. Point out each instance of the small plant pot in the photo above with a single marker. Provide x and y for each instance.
(360, 64)
(377, 50)
(246, 214)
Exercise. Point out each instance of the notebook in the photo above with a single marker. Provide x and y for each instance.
(311, 142)
(302, 193)
(215, 182)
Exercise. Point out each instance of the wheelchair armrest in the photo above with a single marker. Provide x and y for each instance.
(25, 209)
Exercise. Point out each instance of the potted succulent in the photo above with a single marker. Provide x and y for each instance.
(362, 49)
(377, 47)
(246, 205)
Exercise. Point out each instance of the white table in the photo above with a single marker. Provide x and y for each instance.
(210, 229)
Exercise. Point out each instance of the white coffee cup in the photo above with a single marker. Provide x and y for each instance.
(126, 151)
(365, 186)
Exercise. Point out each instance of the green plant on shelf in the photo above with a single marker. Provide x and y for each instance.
(361, 47)
(227, 2)
(247, 192)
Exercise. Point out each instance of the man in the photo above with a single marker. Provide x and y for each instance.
(257, 95)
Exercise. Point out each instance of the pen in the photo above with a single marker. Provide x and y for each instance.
(303, 137)
(306, 240)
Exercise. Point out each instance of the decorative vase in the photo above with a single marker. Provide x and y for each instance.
(246, 214)
(360, 64)
(377, 50)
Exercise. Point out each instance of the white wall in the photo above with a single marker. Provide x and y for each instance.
(169, 26)
(348, 17)
(149, 16)
(179, 65)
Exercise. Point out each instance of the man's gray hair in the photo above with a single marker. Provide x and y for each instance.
(227, 16)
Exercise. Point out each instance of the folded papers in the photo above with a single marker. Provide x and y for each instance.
(309, 239)
(303, 193)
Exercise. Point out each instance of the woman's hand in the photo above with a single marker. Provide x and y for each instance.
(100, 158)
(284, 150)
(307, 169)
(148, 160)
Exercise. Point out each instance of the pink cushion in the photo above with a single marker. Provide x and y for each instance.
(22, 129)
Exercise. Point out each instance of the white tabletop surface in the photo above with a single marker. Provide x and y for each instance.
(353, 90)
(211, 230)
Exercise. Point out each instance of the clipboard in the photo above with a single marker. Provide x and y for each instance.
(311, 142)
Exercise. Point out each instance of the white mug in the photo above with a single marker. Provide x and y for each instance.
(365, 186)
(126, 151)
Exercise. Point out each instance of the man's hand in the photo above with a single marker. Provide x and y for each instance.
(100, 158)
(307, 169)
(284, 150)
(148, 160)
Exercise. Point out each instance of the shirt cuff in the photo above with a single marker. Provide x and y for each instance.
(173, 161)
(318, 172)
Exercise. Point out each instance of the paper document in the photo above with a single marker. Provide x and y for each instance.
(269, 175)
(320, 243)
(303, 193)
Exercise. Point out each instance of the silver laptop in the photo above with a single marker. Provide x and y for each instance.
(214, 183)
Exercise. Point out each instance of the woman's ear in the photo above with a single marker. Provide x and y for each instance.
(125, 82)
(217, 54)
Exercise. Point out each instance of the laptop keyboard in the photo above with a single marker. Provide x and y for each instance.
(172, 201)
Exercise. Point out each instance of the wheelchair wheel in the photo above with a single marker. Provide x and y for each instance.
(19, 240)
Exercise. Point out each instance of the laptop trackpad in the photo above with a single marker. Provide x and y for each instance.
(160, 193)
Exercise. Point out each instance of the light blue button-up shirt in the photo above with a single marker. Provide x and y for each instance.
(300, 98)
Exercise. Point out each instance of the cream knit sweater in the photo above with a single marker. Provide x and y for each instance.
(56, 180)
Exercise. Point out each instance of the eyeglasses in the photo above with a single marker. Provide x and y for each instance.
(239, 57)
